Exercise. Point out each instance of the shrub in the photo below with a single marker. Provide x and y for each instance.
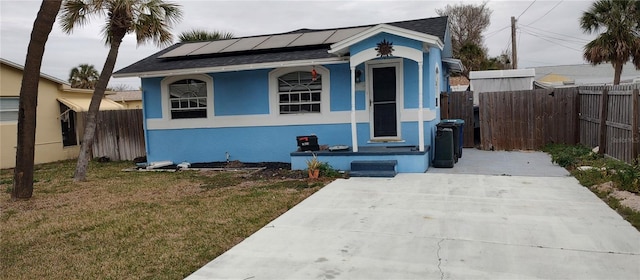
(327, 171)
(627, 177)
(566, 156)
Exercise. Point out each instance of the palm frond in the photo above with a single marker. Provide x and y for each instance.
(74, 12)
(200, 35)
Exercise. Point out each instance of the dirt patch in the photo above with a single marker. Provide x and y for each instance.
(628, 199)
(233, 165)
(239, 164)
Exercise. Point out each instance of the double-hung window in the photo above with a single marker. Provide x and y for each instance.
(9, 109)
(188, 99)
(299, 92)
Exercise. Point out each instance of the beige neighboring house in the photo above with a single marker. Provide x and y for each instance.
(59, 121)
(583, 74)
(130, 99)
(459, 83)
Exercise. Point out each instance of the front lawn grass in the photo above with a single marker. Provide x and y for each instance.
(134, 225)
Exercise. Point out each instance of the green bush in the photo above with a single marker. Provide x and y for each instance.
(566, 156)
(590, 177)
(627, 177)
(327, 171)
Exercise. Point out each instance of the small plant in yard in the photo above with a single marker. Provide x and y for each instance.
(627, 177)
(327, 171)
(313, 165)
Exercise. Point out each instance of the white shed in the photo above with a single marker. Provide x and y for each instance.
(500, 80)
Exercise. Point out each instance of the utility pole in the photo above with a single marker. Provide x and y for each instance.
(514, 53)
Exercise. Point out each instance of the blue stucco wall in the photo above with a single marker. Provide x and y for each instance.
(374, 40)
(340, 87)
(410, 72)
(248, 144)
(241, 93)
(151, 98)
(257, 144)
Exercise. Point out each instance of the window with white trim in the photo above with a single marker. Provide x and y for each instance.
(9, 108)
(188, 99)
(299, 92)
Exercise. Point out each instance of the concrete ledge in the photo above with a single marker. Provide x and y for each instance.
(408, 161)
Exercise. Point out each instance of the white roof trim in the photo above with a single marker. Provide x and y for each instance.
(343, 46)
(228, 68)
(400, 51)
(454, 64)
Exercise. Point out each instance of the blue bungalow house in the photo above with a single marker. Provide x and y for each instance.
(369, 92)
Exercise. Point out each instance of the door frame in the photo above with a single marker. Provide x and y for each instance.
(380, 63)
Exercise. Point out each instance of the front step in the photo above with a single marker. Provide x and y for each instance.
(373, 168)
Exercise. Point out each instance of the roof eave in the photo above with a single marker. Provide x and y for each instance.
(342, 47)
(231, 68)
(42, 75)
(454, 64)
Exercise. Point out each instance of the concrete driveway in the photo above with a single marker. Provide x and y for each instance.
(509, 223)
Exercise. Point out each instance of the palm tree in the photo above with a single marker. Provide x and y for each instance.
(619, 41)
(84, 76)
(199, 35)
(23, 173)
(150, 20)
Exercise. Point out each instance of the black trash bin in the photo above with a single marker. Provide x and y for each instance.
(457, 125)
(308, 143)
(444, 156)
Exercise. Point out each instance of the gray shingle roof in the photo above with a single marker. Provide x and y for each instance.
(432, 26)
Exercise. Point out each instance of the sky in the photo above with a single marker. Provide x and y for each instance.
(548, 32)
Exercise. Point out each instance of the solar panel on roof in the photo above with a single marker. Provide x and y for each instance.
(312, 38)
(277, 41)
(184, 50)
(214, 47)
(264, 42)
(245, 44)
(344, 34)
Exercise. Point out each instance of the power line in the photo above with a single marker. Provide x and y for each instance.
(506, 47)
(539, 35)
(564, 35)
(578, 42)
(493, 33)
(525, 10)
(556, 43)
(546, 13)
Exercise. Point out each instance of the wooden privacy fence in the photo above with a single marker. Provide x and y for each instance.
(459, 105)
(617, 135)
(119, 135)
(528, 120)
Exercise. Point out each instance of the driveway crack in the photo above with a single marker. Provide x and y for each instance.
(440, 259)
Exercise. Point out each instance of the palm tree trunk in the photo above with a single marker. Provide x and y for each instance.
(94, 107)
(617, 68)
(23, 173)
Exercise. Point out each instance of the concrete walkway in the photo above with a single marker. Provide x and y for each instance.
(443, 226)
(503, 163)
